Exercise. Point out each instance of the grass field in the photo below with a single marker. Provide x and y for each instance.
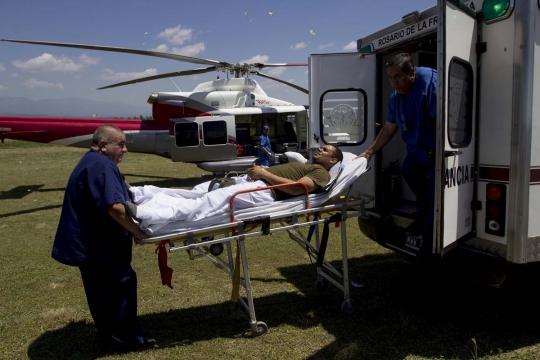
(407, 309)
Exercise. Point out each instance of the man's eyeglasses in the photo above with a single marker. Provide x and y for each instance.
(120, 144)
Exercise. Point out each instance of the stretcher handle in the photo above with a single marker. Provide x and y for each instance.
(306, 194)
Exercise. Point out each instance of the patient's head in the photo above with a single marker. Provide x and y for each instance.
(327, 156)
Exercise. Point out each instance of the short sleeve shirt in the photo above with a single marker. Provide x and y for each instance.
(295, 171)
(86, 232)
(264, 143)
(415, 114)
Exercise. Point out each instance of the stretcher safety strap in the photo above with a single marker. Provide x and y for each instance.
(263, 220)
(164, 270)
(324, 240)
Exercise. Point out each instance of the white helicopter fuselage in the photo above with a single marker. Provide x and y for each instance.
(221, 121)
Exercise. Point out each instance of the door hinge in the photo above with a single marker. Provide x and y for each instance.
(476, 205)
(481, 47)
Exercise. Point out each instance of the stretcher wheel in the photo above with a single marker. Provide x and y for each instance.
(348, 306)
(216, 249)
(262, 329)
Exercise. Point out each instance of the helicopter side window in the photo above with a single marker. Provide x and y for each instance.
(215, 132)
(186, 134)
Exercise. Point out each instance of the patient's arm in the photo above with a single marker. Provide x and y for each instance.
(258, 173)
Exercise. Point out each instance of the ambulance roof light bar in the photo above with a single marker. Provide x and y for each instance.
(411, 18)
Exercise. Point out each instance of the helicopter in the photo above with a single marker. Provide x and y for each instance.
(215, 126)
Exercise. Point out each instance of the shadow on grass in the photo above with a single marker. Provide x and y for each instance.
(405, 307)
(432, 309)
(78, 340)
(29, 211)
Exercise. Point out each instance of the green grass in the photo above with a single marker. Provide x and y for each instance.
(406, 309)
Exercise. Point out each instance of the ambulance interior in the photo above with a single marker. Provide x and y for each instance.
(393, 194)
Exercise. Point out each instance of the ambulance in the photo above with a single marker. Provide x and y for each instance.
(487, 154)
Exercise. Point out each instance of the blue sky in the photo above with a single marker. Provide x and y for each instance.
(271, 32)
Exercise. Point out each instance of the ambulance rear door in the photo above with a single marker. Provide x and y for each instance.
(456, 125)
(342, 105)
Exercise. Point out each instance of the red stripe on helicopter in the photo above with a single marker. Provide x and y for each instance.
(47, 129)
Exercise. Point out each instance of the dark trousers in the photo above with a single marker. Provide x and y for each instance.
(111, 292)
(421, 179)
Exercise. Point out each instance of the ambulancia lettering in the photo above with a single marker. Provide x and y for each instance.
(459, 175)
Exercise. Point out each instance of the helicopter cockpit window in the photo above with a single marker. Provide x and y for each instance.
(186, 134)
(343, 117)
(215, 132)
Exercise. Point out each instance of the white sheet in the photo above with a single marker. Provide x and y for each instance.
(352, 170)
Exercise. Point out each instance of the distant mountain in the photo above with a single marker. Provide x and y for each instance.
(72, 107)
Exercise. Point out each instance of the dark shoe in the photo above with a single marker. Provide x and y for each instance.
(147, 343)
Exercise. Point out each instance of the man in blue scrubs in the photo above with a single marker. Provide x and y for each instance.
(265, 150)
(95, 233)
(412, 109)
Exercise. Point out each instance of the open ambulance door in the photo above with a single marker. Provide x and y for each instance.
(456, 125)
(342, 105)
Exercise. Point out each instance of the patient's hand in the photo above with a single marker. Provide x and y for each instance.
(256, 172)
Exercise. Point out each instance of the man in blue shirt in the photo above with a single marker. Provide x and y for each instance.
(265, 150)
(95, 233)
(412, 109)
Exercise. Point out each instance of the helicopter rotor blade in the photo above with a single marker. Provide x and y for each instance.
(122, 50)
(281, 81)
(218, 65)
(161, 76)
(262, 66)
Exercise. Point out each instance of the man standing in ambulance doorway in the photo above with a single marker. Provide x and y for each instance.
(412, 109)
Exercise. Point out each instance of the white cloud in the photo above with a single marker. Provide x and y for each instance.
(2, 68)
(324, 46)
(34, 83)
(2, 87)
(88, 60)
(14, 75)
(277, 71)
(108, 74)
(176, 35)
(299, 46)
(350, 46)
(256, 59)
(190, 50)
(48, 62)
(161, 48)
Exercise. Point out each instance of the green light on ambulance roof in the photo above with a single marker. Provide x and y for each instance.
(368, 48)
(494, 9)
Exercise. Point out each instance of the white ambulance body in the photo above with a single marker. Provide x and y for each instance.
(487, 157)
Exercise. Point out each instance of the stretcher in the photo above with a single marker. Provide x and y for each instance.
(213, 238)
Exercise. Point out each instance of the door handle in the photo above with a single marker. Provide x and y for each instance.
(452, 153)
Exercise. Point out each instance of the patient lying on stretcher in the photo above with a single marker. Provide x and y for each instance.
(153, 205)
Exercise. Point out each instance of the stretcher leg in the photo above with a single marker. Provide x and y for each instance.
(258, 328)
(348, 306)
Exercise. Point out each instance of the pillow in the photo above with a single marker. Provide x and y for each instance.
(295, 157)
